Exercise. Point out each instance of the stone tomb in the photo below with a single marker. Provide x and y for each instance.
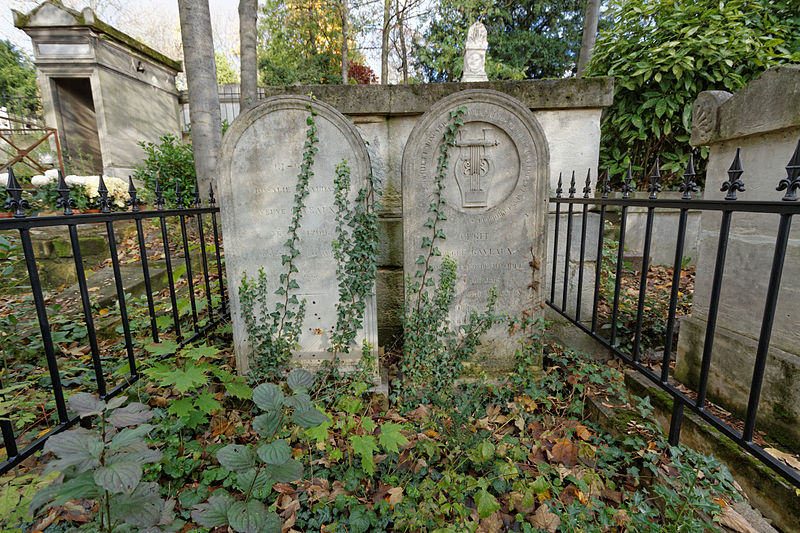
(262, 152)
(495, 192)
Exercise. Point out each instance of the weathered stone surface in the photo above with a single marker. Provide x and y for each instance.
(495, 192)
(262, 153)
(475, 54)
(763, 120)
(705, 116)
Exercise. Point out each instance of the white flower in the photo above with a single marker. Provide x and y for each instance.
(73, 180)
(38, 181)
(52, 173)
(3, 178)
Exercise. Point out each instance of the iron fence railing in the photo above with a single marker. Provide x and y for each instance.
(23, 225)
(561, 298)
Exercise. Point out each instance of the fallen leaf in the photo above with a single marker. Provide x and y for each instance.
(789, 459)
(731, 519)
(544, 519)
(395, 495)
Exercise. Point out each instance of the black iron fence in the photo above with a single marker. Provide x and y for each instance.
(569, 294)
(210, 263)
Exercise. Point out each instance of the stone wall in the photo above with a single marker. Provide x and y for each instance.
(763, 119)
(568, 111)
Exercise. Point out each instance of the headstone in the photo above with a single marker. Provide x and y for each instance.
(475, 55)
(495, 192)
(262, 153)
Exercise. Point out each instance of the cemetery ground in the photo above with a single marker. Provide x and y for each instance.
(212, 450)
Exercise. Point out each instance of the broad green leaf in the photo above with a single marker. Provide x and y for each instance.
(262, 480)
(121, 476)
(275, 453)
(247, 517)
(289, 471)
(391, 437)
(56, 494)
(195, 353)
(206, 403)
(318, 433)
(268, 397)
(364, 446)
(86, 404)
(487, 504)
(185, 380)
(214, 513)
(300, 401)
(180, 408)
(236, 457)
(132, 414)
(162, 348)
(300, 380)
(141, 508)
(308, 418)
(273, 524)
(267, 424)
(77, 447)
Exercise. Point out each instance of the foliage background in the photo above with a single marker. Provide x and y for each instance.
(663, 53)
(17, 76)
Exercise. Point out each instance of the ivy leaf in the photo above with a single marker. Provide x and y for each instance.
(391, 437)
(289, 471)
(487, 504)
(267, 424)
(206, 403)
(308, 418)
(300, 380)
(268, 397)
(275, 453)
(141, 508)
(215, 512)
(132, 414)
(236, 457)
(120, 476)
(365, 446)
(78, 448)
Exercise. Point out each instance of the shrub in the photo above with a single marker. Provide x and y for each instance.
(172, 162)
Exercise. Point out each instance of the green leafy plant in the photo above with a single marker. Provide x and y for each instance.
(106, 465)
(172, 163)
(662, 54)
(257, 469)
(433, 354)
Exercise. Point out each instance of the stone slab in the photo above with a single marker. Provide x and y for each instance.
(262, 153)
(495, 223)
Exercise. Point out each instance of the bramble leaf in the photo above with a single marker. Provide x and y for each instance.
(289, 471)
(308, 418)
(300, 379)
(214, 513)
(275, 453)
(121, 476)
(236, 457)
(266, 424)
(131, 415)
(268, 397)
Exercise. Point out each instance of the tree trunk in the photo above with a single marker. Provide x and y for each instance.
(345, 15)
(401, 16)
(589, 35)
(201, 78)
(387, 7)
(248, 19)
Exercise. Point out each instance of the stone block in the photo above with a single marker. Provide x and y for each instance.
(390, 288)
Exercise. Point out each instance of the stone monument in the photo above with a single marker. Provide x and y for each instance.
(495, 193)
(475, 56)
(261, 158)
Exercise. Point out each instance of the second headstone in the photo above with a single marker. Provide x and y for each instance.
(262, 157)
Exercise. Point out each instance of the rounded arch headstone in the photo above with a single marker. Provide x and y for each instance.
(496, 204)
(261, 157)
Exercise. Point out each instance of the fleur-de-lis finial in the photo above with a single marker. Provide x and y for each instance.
(103, 201)
(198, 202)
(559, 187)
(606, 188)
(133, 201)
(655, 187)
(15, 200)
(627, 188)
(792, 181)
(65, 201)
(178, 195)
(734, 183)
(211, 200)
(572, 186)
(159, 201)
(587, 188)
(689, 184)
